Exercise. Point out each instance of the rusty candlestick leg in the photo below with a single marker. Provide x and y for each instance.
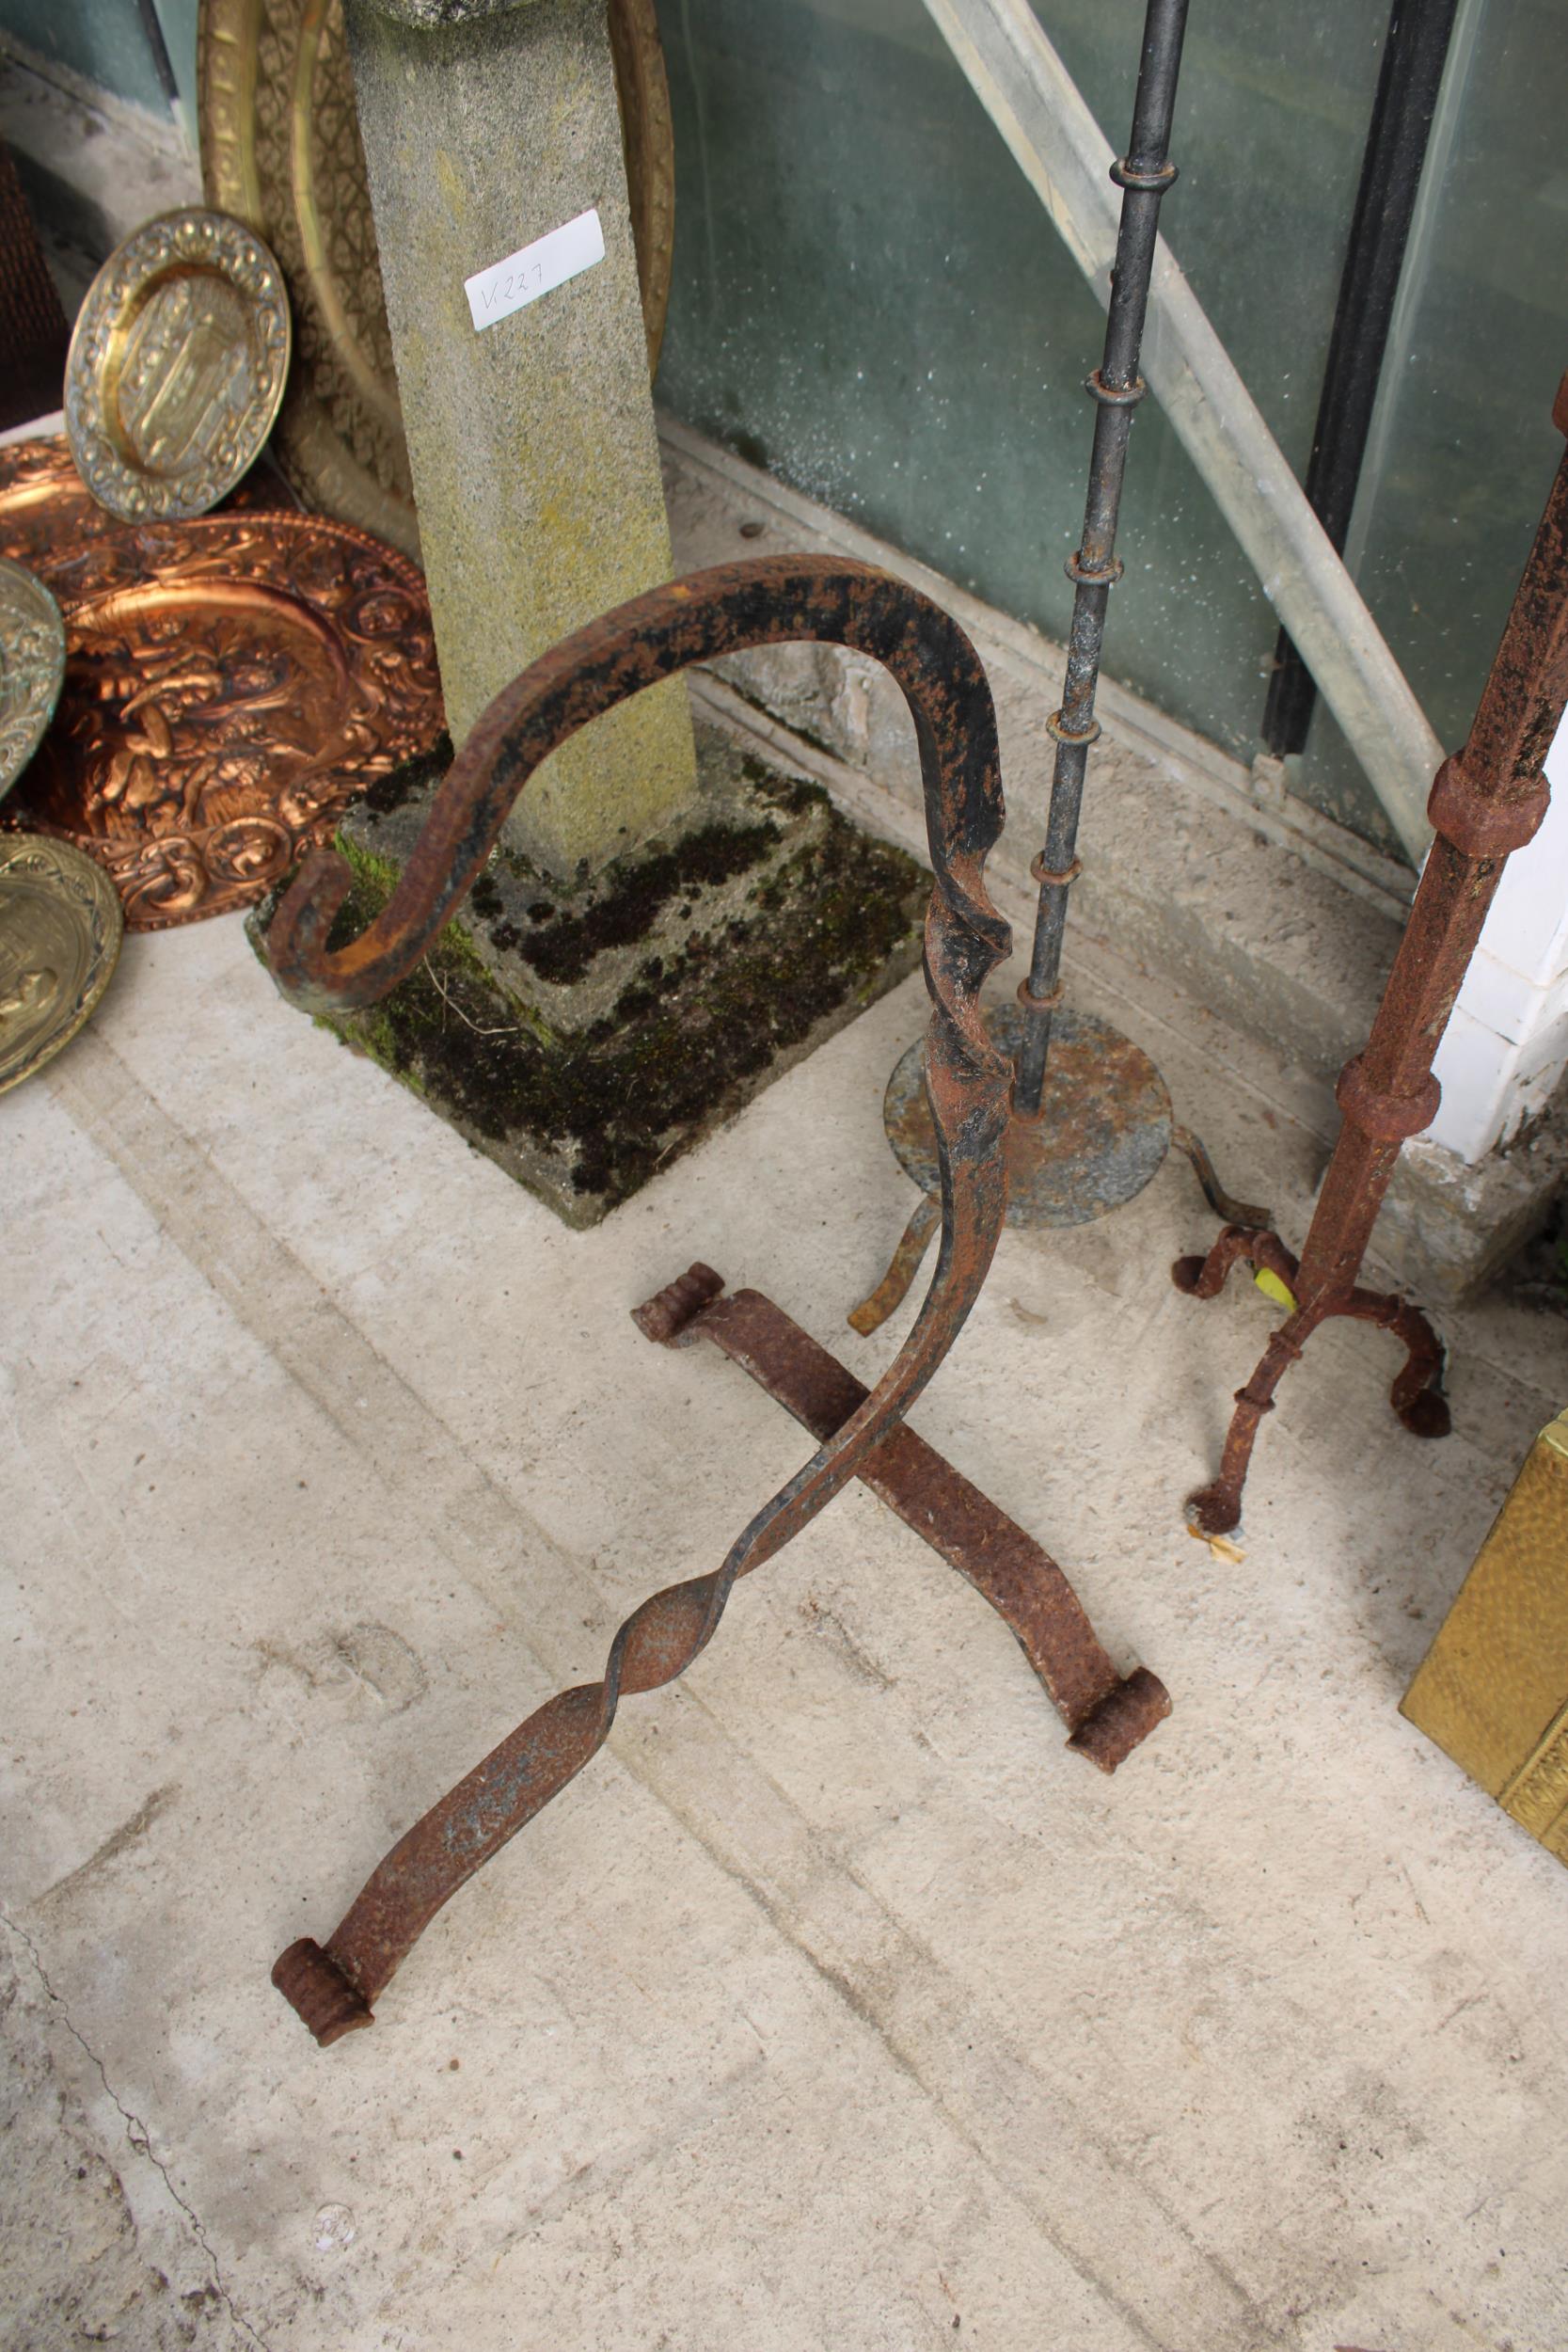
(1416, 1395)
(1258, 1245)
(1417, 1391)
(1217, 1507)
(891, 1292)
(1487, 801)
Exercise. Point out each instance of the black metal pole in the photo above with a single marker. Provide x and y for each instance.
(1408, 81)
(1143, 175)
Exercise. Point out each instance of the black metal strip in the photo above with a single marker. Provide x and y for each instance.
(1414, 55)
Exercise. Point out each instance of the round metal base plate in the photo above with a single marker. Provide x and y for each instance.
(1104, 1132)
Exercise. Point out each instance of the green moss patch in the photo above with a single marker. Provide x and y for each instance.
(587, 1120)
(561, 943)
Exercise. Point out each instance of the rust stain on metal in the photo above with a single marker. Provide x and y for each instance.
(1487, 801)
(735, 606)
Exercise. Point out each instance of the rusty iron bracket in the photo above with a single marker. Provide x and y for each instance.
(1486, 802)
(732, 608)
(1106, 1713)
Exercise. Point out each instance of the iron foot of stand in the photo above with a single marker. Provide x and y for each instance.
(1225, 1207)
(891, 1292)
(1415, 1395)
(333, 1987)
(894, 1288)
(1106, 1715)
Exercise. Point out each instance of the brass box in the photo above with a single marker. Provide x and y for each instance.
(1493, 1688)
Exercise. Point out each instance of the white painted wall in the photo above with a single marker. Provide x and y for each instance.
(1506, 1045)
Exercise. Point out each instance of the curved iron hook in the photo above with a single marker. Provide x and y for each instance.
(734, 606)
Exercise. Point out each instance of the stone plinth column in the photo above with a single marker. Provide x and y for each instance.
(488, 125)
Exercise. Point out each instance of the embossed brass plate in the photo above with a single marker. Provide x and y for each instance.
(280, 148)
(32, 667)
(60, 930)
(229, 685)
(1493, 1688)
(177, 365)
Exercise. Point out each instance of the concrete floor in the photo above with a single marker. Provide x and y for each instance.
(836, 2005)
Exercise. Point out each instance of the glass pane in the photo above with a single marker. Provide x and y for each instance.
(1463, 449)
(870, 301)
(103, 40)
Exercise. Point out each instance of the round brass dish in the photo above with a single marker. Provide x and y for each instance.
(60, 930)
(229, 685)
(32, 667)
(177, 366)
(280, 148)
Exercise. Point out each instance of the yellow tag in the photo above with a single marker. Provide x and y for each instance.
(1271, 1287)
(1221, 1546)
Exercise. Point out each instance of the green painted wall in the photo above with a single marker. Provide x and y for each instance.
(870, 301)
(103, 40)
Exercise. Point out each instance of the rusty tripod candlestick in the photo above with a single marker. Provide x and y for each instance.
(1487, 801)
(1091, 1120)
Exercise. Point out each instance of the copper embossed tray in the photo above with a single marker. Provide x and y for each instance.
(229, 685)
(280, 149)
(51, 522)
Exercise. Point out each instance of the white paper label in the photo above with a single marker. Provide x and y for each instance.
(534, 270)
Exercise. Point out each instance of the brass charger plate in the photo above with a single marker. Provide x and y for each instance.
(280, 148)
(32, 666)
(230, 684)
(60, 930)
(176, 366)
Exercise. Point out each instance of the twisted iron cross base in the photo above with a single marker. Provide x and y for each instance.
(735, 606)
(1106, 1713)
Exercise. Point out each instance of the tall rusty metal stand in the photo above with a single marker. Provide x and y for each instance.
(725, 610)
(1488, 799)
(1088, 1142)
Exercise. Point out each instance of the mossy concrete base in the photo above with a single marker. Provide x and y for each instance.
(585, 1037)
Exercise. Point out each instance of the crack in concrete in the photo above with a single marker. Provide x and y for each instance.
(135, 2130)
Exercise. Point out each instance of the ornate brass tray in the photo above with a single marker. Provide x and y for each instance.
(60, 930)
(177, 365)
(229, 685)
(32, 667)
(51, 522)
(280, 148)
